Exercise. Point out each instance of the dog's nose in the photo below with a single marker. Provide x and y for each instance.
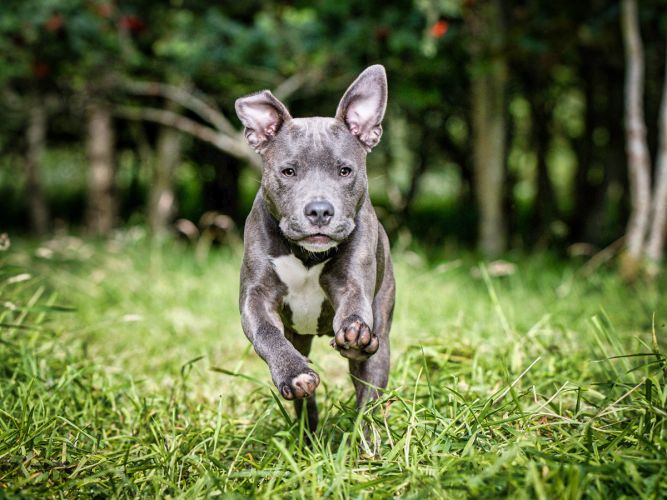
(319, 213)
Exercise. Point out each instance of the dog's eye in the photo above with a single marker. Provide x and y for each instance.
(345, 171)
(288, 172)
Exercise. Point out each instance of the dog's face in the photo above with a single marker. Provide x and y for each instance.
(314, 177)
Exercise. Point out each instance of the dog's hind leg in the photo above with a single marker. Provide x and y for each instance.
(302, 343)
(370, 376)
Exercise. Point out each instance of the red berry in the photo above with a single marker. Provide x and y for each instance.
(439, 29)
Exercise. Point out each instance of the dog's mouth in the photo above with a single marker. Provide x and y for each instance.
(317, 242)
(317, 239)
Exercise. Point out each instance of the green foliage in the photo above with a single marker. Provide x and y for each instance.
(565, 61)
(62, 38)
(125, 373)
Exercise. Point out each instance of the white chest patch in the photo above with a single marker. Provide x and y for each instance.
(304, 293)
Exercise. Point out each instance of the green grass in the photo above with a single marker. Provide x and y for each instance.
(124, 372)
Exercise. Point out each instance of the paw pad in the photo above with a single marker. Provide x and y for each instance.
(355, 340)
(301, 386)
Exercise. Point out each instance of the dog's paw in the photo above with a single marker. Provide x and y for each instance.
(355, 340)
(300, 386)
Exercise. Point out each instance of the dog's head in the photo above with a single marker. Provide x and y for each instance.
(314, 177)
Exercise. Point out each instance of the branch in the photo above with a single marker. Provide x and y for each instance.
(185, 98)
(222, 133)
(295, 82)
(228, 144)
(601, 257)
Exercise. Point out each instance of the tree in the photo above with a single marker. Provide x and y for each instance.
(24, 65)
(655, 244)
(102, 205)
(69, 47)
(488, 94)
(161, 196)
(645, 235)
(35, 145)
(637, 149)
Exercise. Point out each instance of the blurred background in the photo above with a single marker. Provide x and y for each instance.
(506, 126)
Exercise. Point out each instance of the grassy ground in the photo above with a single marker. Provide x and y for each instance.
(124, 372)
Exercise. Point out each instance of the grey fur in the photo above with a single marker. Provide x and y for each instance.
(309, 160)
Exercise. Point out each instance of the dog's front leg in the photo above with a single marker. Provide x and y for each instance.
(364, 341)
(289, 369)
(351, 292)
(353, 326)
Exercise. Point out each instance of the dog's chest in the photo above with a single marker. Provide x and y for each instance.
(304, 294)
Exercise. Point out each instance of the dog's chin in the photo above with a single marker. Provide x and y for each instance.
(317, 243)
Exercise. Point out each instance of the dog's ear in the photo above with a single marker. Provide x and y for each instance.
(363, 105)
(262, 116)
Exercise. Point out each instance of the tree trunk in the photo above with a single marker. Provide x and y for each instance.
(161, 198)
(489, 82)
(656, 241)
(102, 203)
(639, 169)
(35, 144)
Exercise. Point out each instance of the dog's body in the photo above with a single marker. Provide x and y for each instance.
(316, 258)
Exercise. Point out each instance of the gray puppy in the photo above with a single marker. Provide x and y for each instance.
(316, 258)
